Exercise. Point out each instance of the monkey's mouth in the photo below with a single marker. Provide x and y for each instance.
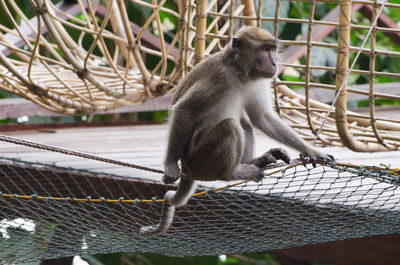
(270, 74)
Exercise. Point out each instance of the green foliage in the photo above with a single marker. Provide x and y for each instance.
(151, 259)
(327, 57)
(139, 14)
(7, 121)
(104, 259)
(6, 94)
(268, 10)
(155, 116)
(26, 8)
(379, 102)
(15, 233)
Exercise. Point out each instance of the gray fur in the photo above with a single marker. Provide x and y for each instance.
(211, 121)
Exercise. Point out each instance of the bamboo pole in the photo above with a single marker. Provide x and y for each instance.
(134, 47)
(118, 29)
(341, 73)
(308, 70)
(249, 11)
(372, 75)
(201, 24)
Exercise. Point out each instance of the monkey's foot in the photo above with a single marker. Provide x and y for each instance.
(314, 158)
(151, 230)
(171, 173)
(167, 216)
(169, 179)
(272, 156)
(248, 172)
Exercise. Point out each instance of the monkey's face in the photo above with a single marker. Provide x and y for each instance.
(255, 51)
(265, 59)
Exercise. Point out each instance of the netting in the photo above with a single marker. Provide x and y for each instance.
(48, 211)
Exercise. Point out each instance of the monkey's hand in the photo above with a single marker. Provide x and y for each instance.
(278, 154)
(171, 173)
(271, 156)
(315, 156)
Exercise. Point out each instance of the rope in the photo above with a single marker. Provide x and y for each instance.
(128, 201)
(349, 71)
(379, 174)
(9, 139)
(13, 140)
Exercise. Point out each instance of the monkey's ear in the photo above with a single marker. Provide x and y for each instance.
(236, 43)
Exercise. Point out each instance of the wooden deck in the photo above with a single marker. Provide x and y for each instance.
(139, 144)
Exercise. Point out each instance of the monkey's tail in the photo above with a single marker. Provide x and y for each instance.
(172, 199)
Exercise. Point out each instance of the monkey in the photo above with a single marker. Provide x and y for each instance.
(213, 112)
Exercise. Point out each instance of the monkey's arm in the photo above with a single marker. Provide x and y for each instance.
(264, 118)
(180, 133)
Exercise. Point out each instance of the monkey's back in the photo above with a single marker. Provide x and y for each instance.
(216, 75)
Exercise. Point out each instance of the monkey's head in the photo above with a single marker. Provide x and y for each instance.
(255, 52)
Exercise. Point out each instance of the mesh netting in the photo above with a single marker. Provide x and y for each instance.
(68, 212)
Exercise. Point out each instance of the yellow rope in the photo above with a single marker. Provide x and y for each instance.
(392, 171)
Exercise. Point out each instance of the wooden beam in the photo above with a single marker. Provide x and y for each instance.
(16, 107)
(293, 53)
(383, 90)
(59, 261)
(383, 249)
(383, 21)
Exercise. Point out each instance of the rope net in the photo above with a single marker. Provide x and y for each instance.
(48, 211)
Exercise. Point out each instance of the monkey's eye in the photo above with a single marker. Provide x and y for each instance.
(269, 48)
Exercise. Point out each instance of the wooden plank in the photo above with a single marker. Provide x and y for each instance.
(328, 95)
(293, 53)
(17, 107)
(383, 21)
(374, 250)
(141, 144)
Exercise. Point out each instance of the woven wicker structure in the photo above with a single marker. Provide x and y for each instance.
(57, 72)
